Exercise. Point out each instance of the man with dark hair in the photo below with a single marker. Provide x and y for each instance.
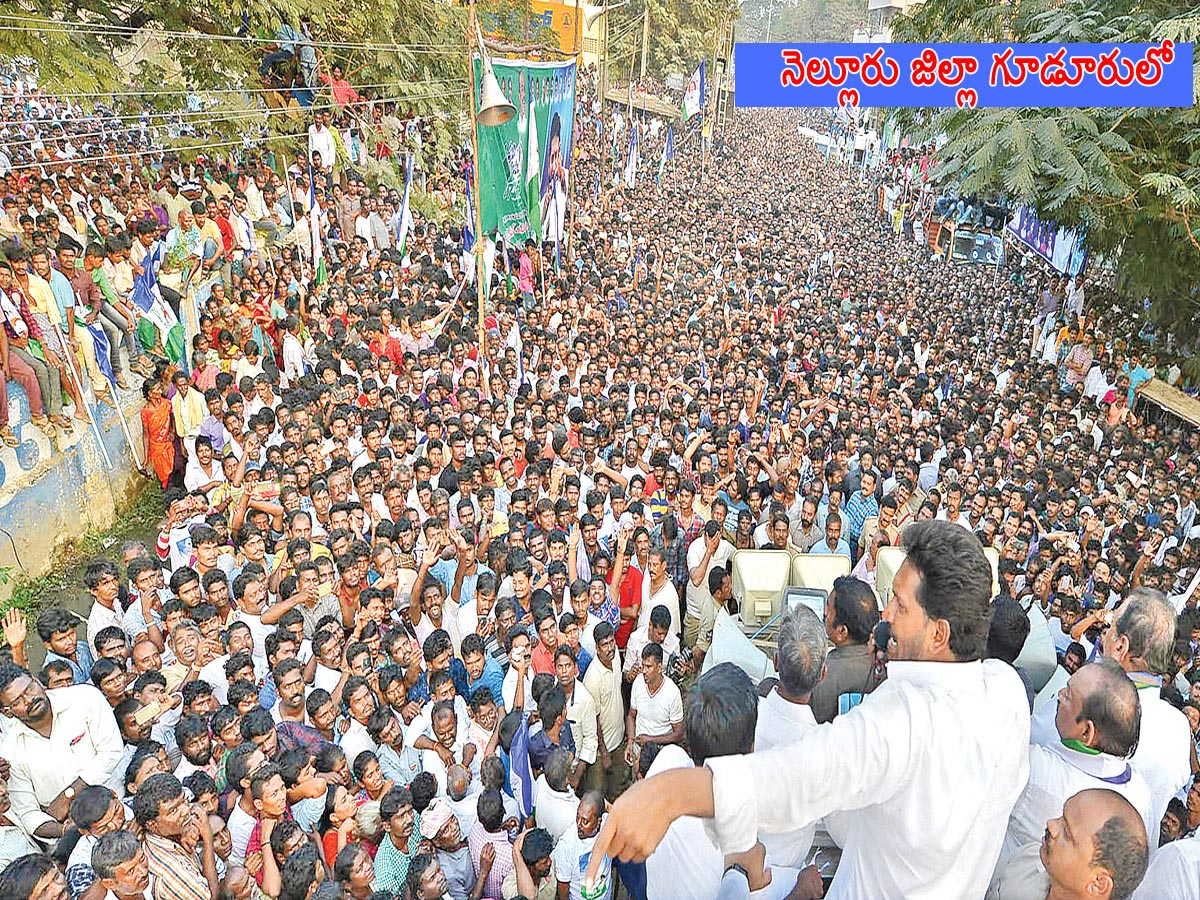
(532, 875)
(103, 582)
(56, 743)
(720, 719)
(1095, 849)
(400, 840)
(851, 611)
(164, 815)
(943, 717)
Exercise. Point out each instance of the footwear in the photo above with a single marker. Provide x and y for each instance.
(6, 435)
(63, 422)
(43, 423)
(122, 383)
(107, 399)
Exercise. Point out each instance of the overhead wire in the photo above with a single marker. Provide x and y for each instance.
(246, 140)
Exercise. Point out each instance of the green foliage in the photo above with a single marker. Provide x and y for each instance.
(1131, 177)
(681, 34)
(802, 20)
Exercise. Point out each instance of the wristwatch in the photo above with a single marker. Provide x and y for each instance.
(69, 793)
(737, 867)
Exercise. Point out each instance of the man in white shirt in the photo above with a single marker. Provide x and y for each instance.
(704, 554)
(320, 140)
(946, 725)
(1140, 640)
(1096, 848)
(103, 582)
(573, 850)
(659, 590)
(1174, 872)
(657, 630)
(655, 707)
(603, 682)
(1098, 719)
(721, 719)
(554, 802)
(56, 744)
(784, 715)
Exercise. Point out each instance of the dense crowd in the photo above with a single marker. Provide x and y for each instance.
(422, 608)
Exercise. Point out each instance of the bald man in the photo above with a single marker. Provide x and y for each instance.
(1095, 850)
(1098, 719)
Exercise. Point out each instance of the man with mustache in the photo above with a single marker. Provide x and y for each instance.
(56, 744)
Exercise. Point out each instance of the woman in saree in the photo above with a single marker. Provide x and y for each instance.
(158, 432)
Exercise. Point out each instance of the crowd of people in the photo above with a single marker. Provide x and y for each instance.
(432, 607)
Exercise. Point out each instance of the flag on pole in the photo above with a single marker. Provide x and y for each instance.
(468, 235)
(631, 163)
(149, 300)
(406, 219)
(103, 362)
(533, 173)
(693, 94)
(668, 152)
(314, 224)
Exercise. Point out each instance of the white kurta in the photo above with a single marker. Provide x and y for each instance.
(1162, 758)
(1057, 773)
(928, 769)
(781, 723)
(1174, 872)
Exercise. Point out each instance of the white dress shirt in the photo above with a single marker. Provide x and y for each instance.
(1163, 755)
(781, 722)
(901, 766)
(84, 743)
(581, 713)
(1174, 872)
(1057, 773)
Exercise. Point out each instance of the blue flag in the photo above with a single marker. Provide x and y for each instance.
(467, 234)
(521, 774)
(103, 351)
(667, 154)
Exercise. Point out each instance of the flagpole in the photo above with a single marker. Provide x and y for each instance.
(74, 376)
(479, 236)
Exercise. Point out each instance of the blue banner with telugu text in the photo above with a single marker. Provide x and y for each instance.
(964, 75)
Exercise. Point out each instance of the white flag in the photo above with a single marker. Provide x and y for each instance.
(693, 94)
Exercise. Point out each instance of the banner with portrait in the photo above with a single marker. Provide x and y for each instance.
(544, 96)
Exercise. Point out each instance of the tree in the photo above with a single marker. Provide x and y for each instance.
(801, 20)
(1129, 177)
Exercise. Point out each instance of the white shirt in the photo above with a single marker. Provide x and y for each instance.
(1057, 773)
(84, 743)
(355, 741)
(899, 767)
(656, 712)
(241, 826)
(604, 685)
(638, 641)
(99, 618)
(1174, 872)
(554, 810)
(320, 140)
(687, 865)
(698, 596)
(1163, 755)
(581, 713)
(665, 596)
(781, 722)
(572, 855)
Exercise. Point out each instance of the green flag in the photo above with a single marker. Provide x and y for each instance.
(533, 178)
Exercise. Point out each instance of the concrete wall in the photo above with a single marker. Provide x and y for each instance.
(49, 498)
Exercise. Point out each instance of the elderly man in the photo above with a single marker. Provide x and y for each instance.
(784, 715)
(1098, 718)
(1140, 640)
(56, 744)
(946, 725)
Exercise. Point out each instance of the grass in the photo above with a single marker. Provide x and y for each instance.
(65, 579)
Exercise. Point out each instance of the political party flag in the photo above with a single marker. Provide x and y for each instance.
(521, 775)
(631, 163)
(693, 94)
(406, 219)
(468, 232)
(314, 226)
(150, 303)
(100, 340)
(533, 178)
(668, 152)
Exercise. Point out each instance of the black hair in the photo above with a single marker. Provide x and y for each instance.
(721, 714)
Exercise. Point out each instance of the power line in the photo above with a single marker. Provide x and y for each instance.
(207, 145)
(59, 26)
(187, 92)
(170, 119)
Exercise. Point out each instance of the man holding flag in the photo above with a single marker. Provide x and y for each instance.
(158, 324)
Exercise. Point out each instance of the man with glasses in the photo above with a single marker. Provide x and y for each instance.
(56, 745)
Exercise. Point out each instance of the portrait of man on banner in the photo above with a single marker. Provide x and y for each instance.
(554, 180)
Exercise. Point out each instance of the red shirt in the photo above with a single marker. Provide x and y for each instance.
(629, 595)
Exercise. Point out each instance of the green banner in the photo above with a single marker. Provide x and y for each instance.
(523, 177)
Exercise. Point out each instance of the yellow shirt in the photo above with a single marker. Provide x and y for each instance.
(41, 298)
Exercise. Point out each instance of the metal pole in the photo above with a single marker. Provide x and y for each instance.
(480, 287)
(74, 376)
(645, 38)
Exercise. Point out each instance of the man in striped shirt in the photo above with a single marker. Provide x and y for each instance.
(165, 815)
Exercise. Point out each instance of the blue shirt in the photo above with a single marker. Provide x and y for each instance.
(419, 692)
(492, 678)
(81, 671)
